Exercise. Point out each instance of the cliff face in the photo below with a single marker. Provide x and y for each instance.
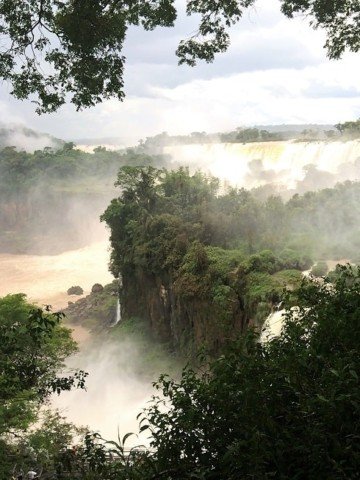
(186, 322)
(187, 260)
(209, 305)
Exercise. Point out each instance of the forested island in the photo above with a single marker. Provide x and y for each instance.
(202, 266)
(199, 266)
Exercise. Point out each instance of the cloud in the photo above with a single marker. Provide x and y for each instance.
(8, 114)
(275, 71)
(318, 90)
(264, 39)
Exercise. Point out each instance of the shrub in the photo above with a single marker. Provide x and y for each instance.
(97, 288)
(75, 290)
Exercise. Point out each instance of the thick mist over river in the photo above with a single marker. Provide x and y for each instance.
(114, 394)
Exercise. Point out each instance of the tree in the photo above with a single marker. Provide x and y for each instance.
(349, 129)
(33, 348)
(289, 408)
(41, 447)
(59, 49)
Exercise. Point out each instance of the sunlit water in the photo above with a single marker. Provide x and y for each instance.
(281, 163)
(114, 394)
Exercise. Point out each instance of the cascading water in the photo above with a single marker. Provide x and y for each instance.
(281, 163)
(274, 322)
(115, 395)
(272, 326)
(114, 392)
(117, 313)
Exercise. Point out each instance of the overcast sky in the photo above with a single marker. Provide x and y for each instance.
(275, 72)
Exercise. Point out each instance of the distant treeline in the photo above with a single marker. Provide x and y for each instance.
(21, 171)
(52, 191)
(241, 135)
(32, 183)
(345, 131)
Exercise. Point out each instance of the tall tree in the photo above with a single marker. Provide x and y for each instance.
(59, 49)
(288, 408)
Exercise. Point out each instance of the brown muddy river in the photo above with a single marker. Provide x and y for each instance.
(46, 278)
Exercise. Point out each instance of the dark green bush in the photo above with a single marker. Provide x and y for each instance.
(75, 290)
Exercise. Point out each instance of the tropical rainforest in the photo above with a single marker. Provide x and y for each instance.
(287, 408)
(283, 409)
(202, 265)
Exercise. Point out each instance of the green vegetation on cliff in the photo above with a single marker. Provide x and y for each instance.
(201, 265)
(49, 191)
(285, 409)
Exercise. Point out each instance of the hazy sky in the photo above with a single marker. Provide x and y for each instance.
(275, 71)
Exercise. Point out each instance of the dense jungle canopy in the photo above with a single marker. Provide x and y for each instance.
(201, 263)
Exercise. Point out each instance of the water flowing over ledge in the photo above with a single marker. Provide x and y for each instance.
(282, 163)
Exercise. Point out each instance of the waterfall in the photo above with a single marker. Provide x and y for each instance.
(281, 163)
(272, 326)
(117, 314)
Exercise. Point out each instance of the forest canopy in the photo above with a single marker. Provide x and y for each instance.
(203, 263)
(56, 50)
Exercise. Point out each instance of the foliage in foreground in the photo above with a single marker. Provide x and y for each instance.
(33, 348)
(40, 448)
(288, 408)
(59, 51)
